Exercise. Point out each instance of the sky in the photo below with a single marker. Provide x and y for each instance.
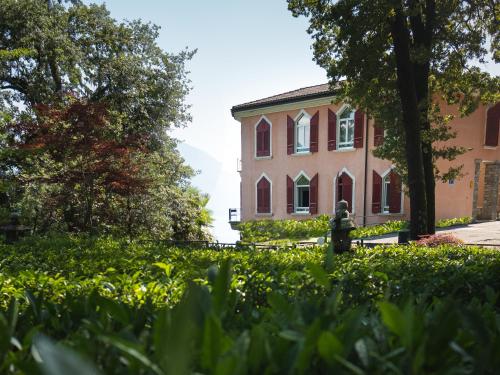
(246, 50)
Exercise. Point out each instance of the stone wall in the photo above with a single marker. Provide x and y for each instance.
(489, 208)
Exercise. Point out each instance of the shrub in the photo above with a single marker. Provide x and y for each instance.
(438, 240)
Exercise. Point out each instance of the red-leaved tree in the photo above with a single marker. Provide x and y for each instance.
(77, 152)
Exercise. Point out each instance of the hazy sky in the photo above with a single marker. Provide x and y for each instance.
(247, 49)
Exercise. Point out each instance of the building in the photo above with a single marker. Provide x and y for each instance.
(300, 153)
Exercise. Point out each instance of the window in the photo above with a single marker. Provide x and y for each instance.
(302, 194)
(386, 193)
(345, 190)
(346, 129)
(263, 138)
(302, 140)
(263, 196)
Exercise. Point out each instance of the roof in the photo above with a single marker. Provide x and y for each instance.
(310, 92)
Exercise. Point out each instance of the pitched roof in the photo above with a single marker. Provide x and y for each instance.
(310, 92)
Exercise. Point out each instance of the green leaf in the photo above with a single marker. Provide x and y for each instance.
(132, 350)
(329, 346)
(59, 360)
(319, 275)
(291, 335)
(212, 343)
(220, 290)
(165, 267)
(392, 317)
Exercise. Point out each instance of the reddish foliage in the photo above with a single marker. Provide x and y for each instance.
(80, 136)
(439, 239)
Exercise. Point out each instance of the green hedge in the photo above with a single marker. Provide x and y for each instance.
(115, 308)
(269, 230)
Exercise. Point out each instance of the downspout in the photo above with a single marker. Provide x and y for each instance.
(366, 172)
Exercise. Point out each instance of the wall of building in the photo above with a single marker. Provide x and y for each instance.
(453, 200)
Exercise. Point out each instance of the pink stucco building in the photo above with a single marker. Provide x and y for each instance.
(301, 153)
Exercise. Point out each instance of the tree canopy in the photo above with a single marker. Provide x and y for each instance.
(87, 104)
(399, 60)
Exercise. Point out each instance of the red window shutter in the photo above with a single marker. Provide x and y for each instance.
(378, 135)
(359, 119)
(347, 190)
(332, 130)
(313, 195)
(263, 134)
(395, 193)
(314, 130)
(492, 126)
(376, 193)
(263, 196)
(290, 139)
(289, 194)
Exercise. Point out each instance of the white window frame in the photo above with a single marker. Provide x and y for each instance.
(264, 175)
(383, 192)
(297, 209)
(353, 208)
(346, 145)
(270, 139)
(302, 114)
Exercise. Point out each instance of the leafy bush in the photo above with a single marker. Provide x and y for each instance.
(439, 239)
(271, 230)
(455, 221)
(145, 308)
(265, 230)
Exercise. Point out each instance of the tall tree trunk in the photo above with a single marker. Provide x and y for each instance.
(411, 124)
(423, 36)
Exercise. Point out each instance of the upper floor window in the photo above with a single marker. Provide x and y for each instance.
(302, 134)
(263, 138)
(346, 129)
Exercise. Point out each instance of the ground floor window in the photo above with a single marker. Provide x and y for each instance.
(263, 196)
(345, 190)
(386, 193)
(302, 194)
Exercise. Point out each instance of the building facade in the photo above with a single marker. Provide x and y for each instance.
(301, 153)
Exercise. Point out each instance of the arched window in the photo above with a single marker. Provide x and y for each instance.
(263, 196)
(302, 194)
(346, 129)
(386, 193)
(263, 138)
(344, 189)
(302, 133)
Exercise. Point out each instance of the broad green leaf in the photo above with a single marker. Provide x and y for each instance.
(329, 346)
(59, 360)
(392, 317)
(131, 349)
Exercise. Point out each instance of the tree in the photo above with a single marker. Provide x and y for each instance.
(116, 171)
(398, 59)
(73, 147)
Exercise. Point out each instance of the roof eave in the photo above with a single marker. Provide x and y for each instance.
(253, 106)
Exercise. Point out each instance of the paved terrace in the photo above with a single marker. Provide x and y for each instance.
(487, 233)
